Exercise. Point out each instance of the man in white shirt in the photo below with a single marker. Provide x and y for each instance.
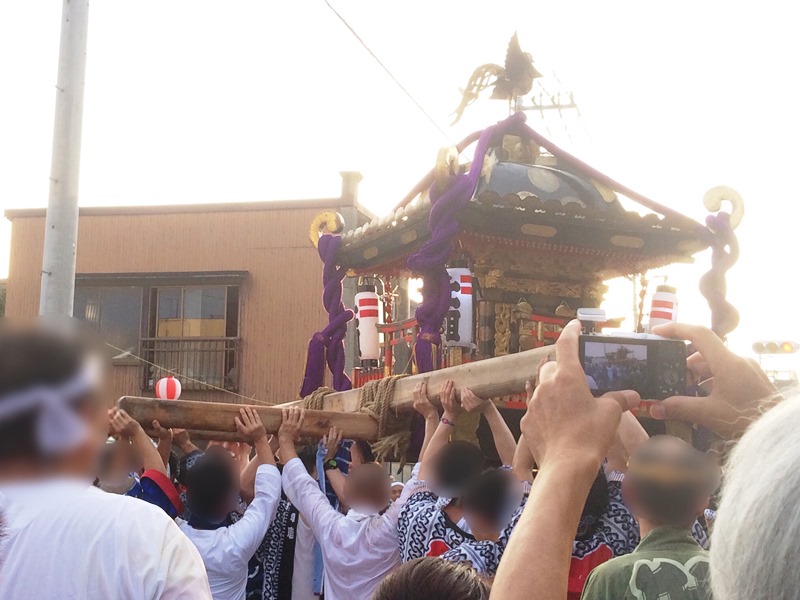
(65, 538)
(360, 549)
(211, 489)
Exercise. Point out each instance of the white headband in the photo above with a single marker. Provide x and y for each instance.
(58, 428)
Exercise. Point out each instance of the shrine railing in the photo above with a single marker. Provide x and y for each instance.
(398, 339)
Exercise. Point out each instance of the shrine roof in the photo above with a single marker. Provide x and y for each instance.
(551, 208)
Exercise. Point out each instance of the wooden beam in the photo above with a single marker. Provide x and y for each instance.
(209, 417)
(490, 378)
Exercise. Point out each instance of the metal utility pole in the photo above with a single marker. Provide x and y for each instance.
(61, 224)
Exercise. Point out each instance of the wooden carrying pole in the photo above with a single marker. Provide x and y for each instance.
(208, 418)
(490, 378)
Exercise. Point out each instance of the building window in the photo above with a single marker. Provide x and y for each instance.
(209, 311)
(193, 333)
(115, 312)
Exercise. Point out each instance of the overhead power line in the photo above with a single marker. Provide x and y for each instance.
(388, 72)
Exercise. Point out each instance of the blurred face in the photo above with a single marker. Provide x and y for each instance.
(367, 488)
(671, 463)
(481, 528)
(116, 477)
(219, 448)
(665, 449)
(233, 448)
(397, 491)
(84, 459)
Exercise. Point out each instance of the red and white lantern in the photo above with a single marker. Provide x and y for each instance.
(368, 314)
(458, 323)
(168, 388)
(664, 308)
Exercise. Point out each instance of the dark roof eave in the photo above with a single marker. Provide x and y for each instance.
(385, 244)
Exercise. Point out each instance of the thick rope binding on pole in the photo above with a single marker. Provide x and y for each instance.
(394, 428)
(314, 401)
(375, 400)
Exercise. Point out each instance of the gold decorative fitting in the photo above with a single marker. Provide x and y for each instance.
(446, 166)
(408, 236)
(627, 241)
(522, 309)
(545, 231)
(502, 329)
(607, 193)
(717, 195)
(325, 222)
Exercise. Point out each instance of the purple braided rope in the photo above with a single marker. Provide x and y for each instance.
(724, 316)
(328, 344)
(431, 258)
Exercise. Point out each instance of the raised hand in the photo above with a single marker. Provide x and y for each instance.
(122, 424)
(447, 396)
(740, 390)
(162, 433)
(471, 403)
(180, 437)
(422, 403)
(249, 424)
(164, 436)
(331, 442)
(564, 422)
(535, 382)
(240, 451)
(292, 424)
(569, 433)
(501, 434)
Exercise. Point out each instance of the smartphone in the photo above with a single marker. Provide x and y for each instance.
(653, 366)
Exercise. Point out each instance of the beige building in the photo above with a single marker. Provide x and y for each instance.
(226, 296)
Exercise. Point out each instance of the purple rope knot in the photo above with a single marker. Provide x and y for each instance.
(432, 257)
(713, 285)
(327, 346)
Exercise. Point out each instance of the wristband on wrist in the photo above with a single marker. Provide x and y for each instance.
(330, 465)
(447, 422)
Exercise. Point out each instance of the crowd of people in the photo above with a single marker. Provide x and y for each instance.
(584, 504)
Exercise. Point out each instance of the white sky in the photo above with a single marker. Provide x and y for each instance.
(197, 101)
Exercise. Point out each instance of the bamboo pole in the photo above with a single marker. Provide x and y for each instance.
(207, 417)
